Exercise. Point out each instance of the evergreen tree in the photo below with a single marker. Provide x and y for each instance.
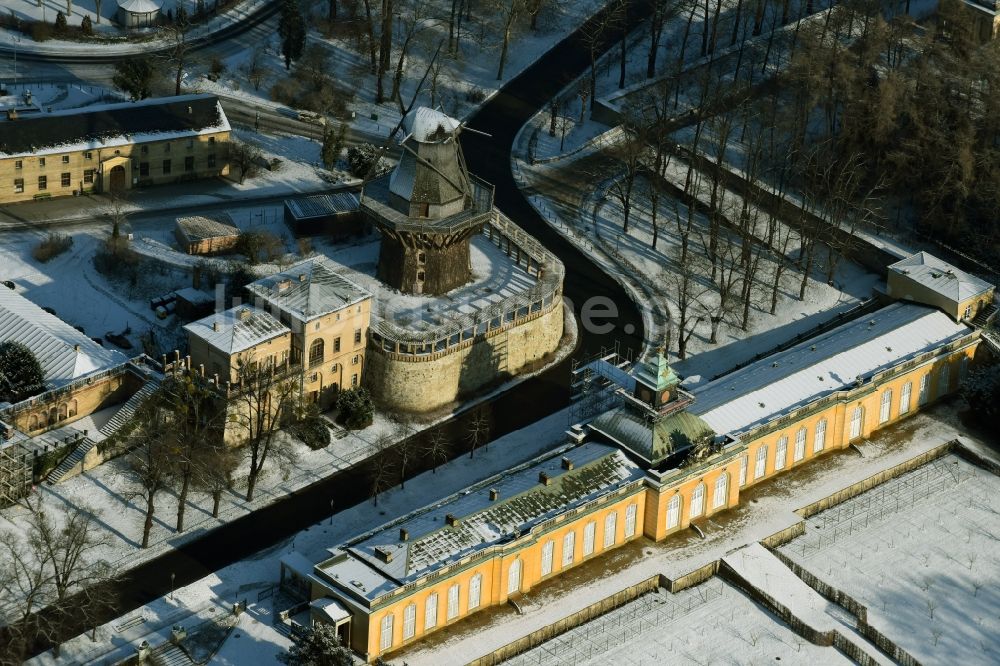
(320, 646)
(333, 144)
(86, 26)
(20, 372)
(292, 29)
(135, 77)
(356, 408)
(60, 23)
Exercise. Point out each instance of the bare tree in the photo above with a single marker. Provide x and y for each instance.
(254, 68)
(264, 397)
(384, 49)
(381, 470)
(406, 446)
(626, 159)
(148, 466)
(478, 430)
(244, 155)
(412, 23)
(437, 448)
(688, 288)
(508, 11)
(214, 473)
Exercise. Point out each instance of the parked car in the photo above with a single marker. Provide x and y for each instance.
(312, 117)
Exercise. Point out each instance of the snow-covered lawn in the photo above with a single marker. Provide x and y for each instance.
(920, 552)
(711, 623)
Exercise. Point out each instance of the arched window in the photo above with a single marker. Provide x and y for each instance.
(568, 545)
(431, 611)
(857, 419)
(610, 524)
(721, 495)
(944, 379)
(589, 530)
(781, 453)
(760, 465)
(514, 577)
(904, 398)
(409, 621)
(630, 520)
(697, 501)
(674, 511)
(475, 590)
(819, 441)
(547, 553)
(385, 636)
(33, 422)
(885, 409)
(924, 394)
(316, 352)
(800, 444)
(453, 592)
(744, 463)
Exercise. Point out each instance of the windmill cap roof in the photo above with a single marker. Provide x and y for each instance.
(425, 124)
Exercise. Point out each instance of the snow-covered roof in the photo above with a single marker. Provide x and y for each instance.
(822, 365)
(110, 125)
(64, 353)
(332, 609)
(941, 277)
(425, 124)
(321, 205)
(237, 329)
(140, 6)
(308, 289)
(523, 502)
(200, 227)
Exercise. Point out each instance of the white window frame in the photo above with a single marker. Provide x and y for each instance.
(697, 507)
(630, 514)
(431, 611)
(885, 407)
(760, 462)
(744, 463)
(781, 453)
(548, 555)
(568, 548)
(610, 526)
(589, 537)
(409, 621)
(674, 511)
(857, 422)
(514, 577)
(720, 495)
(925, 389)
(944, 379)
(385, 631)
(800, 445)
(453, 598)
(475, 590)
(819, 438)
(904, 398)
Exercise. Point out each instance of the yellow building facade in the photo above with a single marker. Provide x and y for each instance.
(113, 147)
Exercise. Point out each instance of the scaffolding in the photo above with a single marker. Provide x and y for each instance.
(16, 462)
(597, 382)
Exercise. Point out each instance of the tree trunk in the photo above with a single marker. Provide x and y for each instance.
(655, 32)
(180, 72)
(503, 50)
(621, 67)
(182, 499)
(370, 26)
(147, 526)
(216, 501)
(332, 12)
(451, 26)
(384, 50)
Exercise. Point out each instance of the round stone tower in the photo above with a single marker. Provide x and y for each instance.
(427, 209)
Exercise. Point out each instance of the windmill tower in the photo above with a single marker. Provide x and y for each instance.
(427, 209)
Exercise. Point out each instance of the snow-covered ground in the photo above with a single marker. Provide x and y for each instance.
(920, 553)
(711, 623)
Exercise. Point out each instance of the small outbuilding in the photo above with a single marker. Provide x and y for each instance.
(199, 234)
(335, 214)
(138, 13)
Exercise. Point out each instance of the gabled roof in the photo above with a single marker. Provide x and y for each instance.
(940, 276)
(831, 362)
(64, 353)
(308, 289)
(523, 502)
(106, 125)
(237, 329)
(201, 227)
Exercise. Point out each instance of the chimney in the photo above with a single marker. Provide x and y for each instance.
(12, 114)
(494, 494)
(403, 535)
(216, 326)
(244, 314)
(567, 464)
(302, 277)
(451, 520)
(544, 479)
(76, 348)
(383, 554)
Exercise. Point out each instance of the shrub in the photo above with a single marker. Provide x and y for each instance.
(361, 158)
(41, 31)
(51, 246)
(356, 408)
(86, 26)
(116, 259)
(217, 67)
(476, 95)
(311, 429)
(259, 246)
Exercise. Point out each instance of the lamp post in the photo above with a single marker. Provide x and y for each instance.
(172, 576)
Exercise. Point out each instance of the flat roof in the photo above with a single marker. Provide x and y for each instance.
(108, 125)
(64, 353)
(940, 276)
(523, 503)
(322, 205)
(822, 365)
(308, 289)
(237, 329)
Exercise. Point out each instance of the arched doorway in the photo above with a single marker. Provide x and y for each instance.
(116, 181)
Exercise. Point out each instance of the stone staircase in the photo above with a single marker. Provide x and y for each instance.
(169, 654)
(71, 461)
(127, 411)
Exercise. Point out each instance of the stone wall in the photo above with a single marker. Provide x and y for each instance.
(423, 383)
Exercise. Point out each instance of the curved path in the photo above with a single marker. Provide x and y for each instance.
(502, 116)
